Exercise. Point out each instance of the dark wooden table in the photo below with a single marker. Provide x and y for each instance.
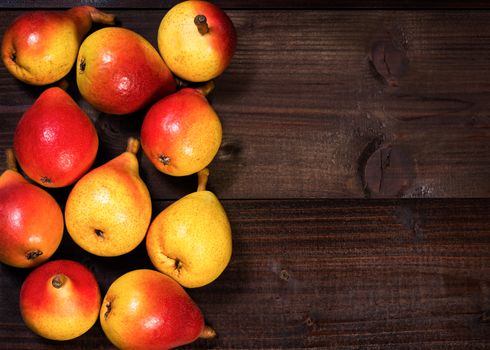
(355, 170)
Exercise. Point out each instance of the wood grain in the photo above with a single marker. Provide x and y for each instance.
(321, 104)
(255, 4)
(344, 274)
(312, 99)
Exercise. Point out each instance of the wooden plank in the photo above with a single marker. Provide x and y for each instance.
(329, 104)
(344, 274)
(254, 4)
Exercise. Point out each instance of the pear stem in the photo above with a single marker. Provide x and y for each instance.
(208, 333)
(98, 16)
(59, 280)
(202, 179)
(11, 161)
(63, 84)
(206, 88)
(202, 24)
(133, 145)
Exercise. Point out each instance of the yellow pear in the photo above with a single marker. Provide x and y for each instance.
(190, 240)
(109, 209)
(197, 40)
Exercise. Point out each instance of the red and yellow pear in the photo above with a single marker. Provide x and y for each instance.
(197, 40)
(60, 300)
(108, 211)
(119, 71)
(146, 310)
(31, 221)
(182, 133)
(55, 142)
(40, 47)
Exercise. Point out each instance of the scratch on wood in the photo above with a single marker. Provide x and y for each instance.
(384, 161)
(389, 61)
(366, 153)
(389, 171)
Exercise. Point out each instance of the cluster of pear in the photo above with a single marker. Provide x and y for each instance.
(109, 210)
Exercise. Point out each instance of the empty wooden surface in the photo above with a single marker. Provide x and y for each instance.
(342, 121)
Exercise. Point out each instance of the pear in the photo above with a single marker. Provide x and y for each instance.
(181, 133)
(40, 47)
(55, 141)
(60, 300)
(190, 240)
(108, 210)
(31, 221)
(197, 40)
(144, 309)
(119, 71)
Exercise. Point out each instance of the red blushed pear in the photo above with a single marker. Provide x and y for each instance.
(40, 47)
(119, 72)
(60, 300)
(146, 310)
(182, 133)
(31, 221)
(55, 142)
(197, 40)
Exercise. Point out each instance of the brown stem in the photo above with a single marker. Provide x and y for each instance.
(208, 333)
(59, 280)
(201, 23)
(11, 161)
(202, 179)
(84, 16)
(133, 145)
(98, 16)
(63, 84)
(206, 88)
